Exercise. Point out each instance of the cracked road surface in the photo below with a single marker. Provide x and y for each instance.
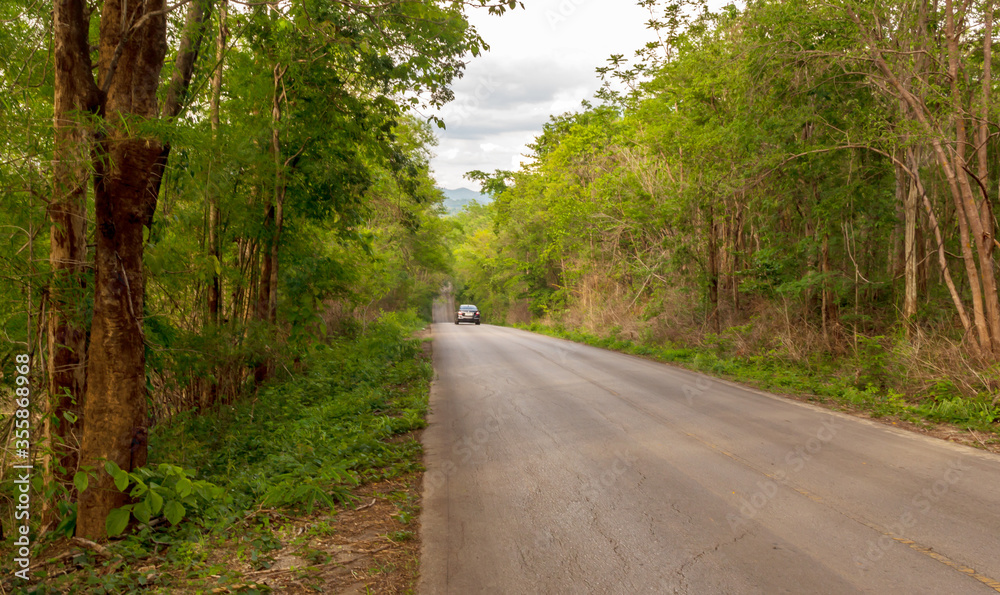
(554, 467)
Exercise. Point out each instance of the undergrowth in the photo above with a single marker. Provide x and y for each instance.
(861, 382)
(296, 446)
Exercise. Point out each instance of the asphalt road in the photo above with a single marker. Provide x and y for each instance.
(554, 467)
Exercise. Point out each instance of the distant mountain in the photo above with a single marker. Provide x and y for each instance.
(456, 199)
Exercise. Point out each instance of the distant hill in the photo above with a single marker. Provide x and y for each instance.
(456, 199)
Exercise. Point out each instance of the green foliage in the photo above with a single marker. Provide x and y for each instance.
(751, 171)
(305, 442)
(975, 413)
(301, 444)
(308, 484)
(873, 362)
(166, 491)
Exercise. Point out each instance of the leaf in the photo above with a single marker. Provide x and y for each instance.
(120, 477)
(183, 487)
(121, 480)
(81, 480)
(155, 502)
(141, 511)
(117, 521)
(140, 487)
(174, 511)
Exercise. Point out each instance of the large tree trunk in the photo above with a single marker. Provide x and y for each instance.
(76, 98)
(131, 52)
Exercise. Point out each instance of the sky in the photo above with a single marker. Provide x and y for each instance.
(541, 62)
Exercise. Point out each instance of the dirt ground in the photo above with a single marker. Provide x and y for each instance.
(367, 549)
(372, 547)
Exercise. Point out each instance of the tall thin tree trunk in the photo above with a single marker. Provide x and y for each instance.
(713, 271)
(180, 83)
(831, 309)
(942, 258)
(910, 253)
(896, 265)
(984, 123)
(978, 262)
(279, 189)
(215, 289)
(262, 311)
(978, 226)
(737, 246)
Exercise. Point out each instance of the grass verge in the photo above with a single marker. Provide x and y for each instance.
(312, 485)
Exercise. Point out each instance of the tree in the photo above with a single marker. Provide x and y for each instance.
(400, 46)
(76, 100)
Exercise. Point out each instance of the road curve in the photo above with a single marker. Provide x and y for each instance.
(554, 467)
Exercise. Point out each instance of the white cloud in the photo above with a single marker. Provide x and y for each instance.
(542, 62)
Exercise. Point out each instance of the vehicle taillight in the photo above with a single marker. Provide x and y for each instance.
(477, 312)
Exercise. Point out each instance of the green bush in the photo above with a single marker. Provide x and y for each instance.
(306, 441)
(166, 491)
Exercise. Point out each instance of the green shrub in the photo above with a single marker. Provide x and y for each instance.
(166, 491)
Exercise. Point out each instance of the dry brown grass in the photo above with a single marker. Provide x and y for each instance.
(915, 365)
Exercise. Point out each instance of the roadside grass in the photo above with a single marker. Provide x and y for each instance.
(296, 453)
(854, 383)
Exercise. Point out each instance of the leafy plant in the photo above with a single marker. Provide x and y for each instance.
(166, 491)
(311, 483)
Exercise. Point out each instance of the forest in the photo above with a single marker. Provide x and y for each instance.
(798, 194)
(202, 202)
(220, 230)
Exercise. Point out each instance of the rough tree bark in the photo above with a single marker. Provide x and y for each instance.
(76, 98)
(131, 53)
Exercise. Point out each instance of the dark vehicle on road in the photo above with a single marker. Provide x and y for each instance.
(467, 313)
